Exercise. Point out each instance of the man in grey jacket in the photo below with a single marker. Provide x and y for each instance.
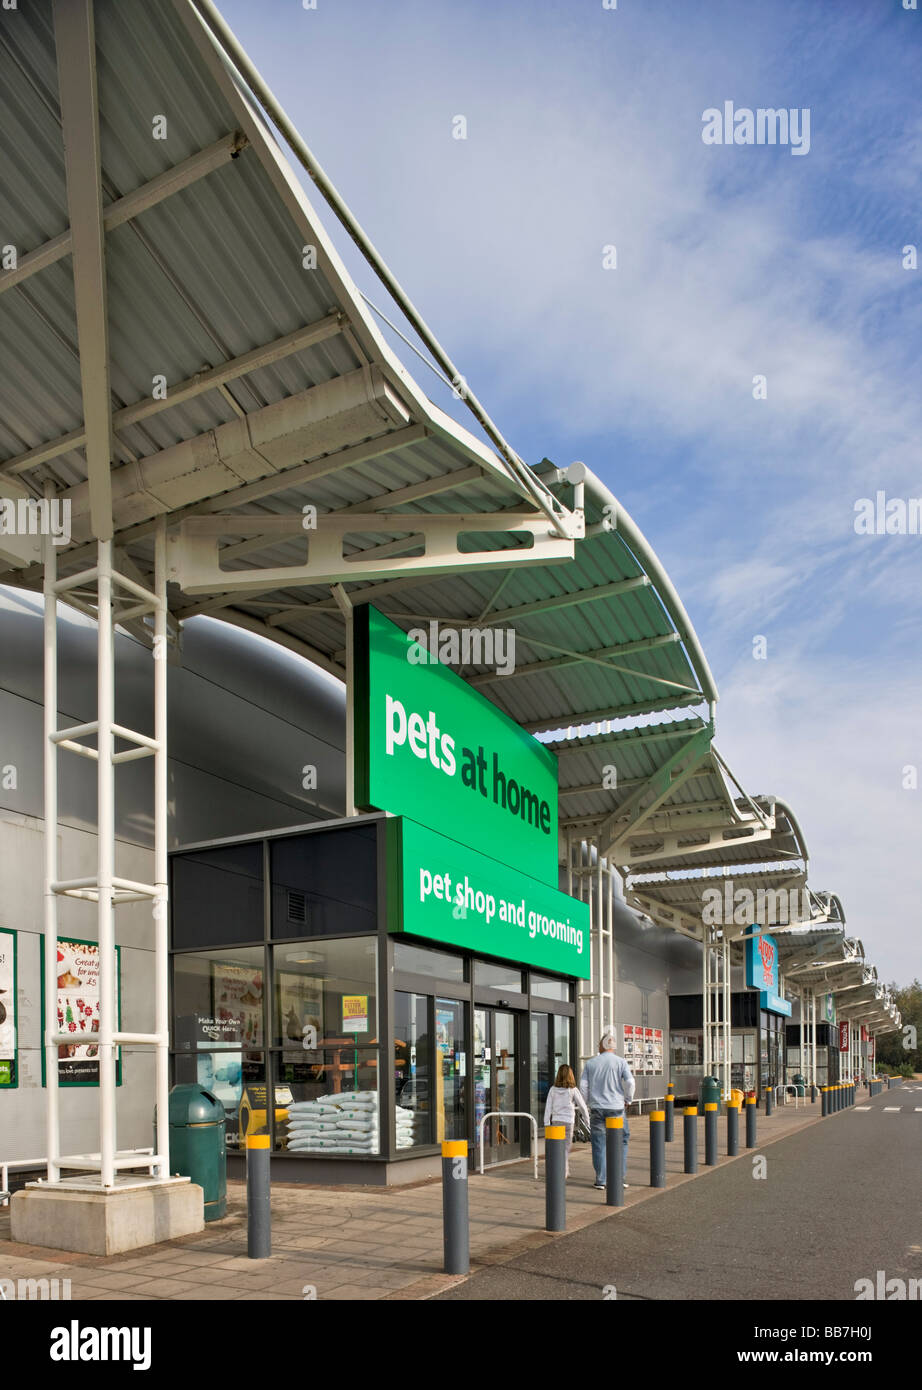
(607, 1086)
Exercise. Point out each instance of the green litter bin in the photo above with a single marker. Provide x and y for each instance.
(801, 1083)
(197, 1144)
(708, 1093)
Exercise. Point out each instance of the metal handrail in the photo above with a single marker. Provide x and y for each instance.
(642, 1101)
(796, 1089)
(9, 1165)
(509, 1115)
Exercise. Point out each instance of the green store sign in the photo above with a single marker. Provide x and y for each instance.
(429, 746)
(440, 889)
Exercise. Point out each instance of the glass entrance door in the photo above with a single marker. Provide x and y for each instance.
(496, 1082)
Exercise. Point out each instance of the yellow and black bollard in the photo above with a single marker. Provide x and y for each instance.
(658, 1148)
(691, 1139)
(614, 1161)
(769, 1101)
(733, 1129)
(710, 1133)
(670, 1118)
(555, 1178)
(455, 1221)
(259, 1202)
(750, 1122)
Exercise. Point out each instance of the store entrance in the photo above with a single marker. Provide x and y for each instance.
(496, 1084)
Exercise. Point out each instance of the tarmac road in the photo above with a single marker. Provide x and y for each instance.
(840, 1201)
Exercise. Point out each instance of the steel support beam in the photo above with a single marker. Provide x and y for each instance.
(131, 205)
(195, 556)
(75, 43)
(671, 774)
(601, 656)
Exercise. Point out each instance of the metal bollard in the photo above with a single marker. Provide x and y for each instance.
(614, 1161)
(658, 1148)
(259, 1208)
(769, 1101)
(812, 1093)
(456, 1232)
(733, 1130)
(710, 1132)
(750, 1122)
(824, 1099)
(670, 1119)
(691, 1139)
(555, 1178)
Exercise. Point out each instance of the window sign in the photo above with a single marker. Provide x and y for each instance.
(355, 1013)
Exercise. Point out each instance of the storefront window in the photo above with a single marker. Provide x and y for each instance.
(230, 1076)
(504, 979)
(328, 1105)
(540, 1064)
(563, 1055)
(551, 1047)
(217, 896)
(325, 884)
(325, 996)
(450, 1070)
(218, 1000)
(413, 1080)
(546, 988)
(686, 1057)
(218, 1026)
(419, 960)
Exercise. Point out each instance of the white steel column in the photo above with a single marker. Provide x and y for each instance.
(344, 603)
(52, 1133)
(161, 789)
(800, 1050)
(600, 945)
(813, 1035)
(105, 849)
(105, 888)
(610, 953)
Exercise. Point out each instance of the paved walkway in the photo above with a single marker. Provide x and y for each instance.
(368, 1243)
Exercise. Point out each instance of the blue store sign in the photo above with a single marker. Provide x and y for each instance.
(762, 973)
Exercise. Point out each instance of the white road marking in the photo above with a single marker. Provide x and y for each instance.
(919, 1109)
(867, 1107)
(888, 1108)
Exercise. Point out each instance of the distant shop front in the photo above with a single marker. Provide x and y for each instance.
(392, 978)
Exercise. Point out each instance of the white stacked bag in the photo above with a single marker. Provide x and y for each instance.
(343, 1123)
(411, 1127)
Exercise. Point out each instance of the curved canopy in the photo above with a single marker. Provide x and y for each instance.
(243, 381)
(191, 347)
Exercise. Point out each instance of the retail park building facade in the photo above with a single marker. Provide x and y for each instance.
(286, 854)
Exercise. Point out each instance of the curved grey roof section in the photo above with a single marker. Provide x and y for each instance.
(283, 393)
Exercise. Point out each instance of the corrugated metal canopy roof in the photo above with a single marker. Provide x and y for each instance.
(281, 392)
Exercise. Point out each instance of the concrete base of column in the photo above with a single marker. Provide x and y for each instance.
(72, 1215)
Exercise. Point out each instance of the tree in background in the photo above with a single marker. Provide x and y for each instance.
(890, 1049)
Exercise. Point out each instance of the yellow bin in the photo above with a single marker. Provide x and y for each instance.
(736, 1098)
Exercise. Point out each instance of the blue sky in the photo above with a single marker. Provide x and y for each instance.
(584, 130)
